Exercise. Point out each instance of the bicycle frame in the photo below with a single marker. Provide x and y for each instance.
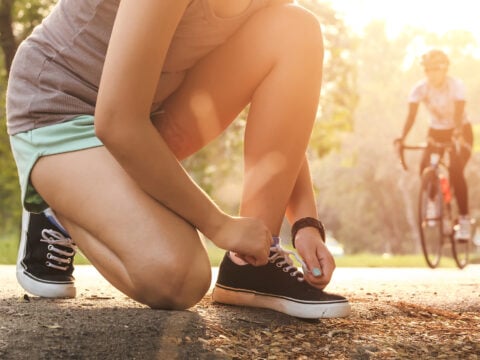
(434, 180)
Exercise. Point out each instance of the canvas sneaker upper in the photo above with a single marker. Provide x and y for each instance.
(45, 257)
(278, 285)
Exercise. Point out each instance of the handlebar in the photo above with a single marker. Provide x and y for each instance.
(456, 143)
(400, 147)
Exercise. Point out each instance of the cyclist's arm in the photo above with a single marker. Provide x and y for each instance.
(410, 120)
(458, 115)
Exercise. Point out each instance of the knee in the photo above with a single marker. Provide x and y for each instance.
(175, 284)
(294, 29)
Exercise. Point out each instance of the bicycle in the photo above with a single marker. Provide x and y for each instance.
(437, 213)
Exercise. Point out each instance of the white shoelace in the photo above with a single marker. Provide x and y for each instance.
(286, 263)
(54, 238)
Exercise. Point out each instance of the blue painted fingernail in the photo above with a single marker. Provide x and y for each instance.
(316, 272)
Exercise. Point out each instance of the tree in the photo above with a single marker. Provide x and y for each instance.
(7, 38)
(17, 19)
(339, 94)
(366, 199)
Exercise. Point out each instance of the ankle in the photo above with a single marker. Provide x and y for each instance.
(50, 215)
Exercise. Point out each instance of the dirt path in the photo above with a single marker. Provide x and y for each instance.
(397, 314)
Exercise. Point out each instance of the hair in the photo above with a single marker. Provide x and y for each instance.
(435, 58)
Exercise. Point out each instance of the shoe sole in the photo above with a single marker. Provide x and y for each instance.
(34, 285)
(43, 288)
(292, 307)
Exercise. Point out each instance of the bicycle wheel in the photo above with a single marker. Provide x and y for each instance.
(430, 217)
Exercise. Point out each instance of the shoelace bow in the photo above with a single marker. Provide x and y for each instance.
(281, 258)
(53, 239)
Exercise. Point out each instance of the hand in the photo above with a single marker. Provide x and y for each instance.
(249, 238)
(457, 133)
(398, 142)
(317, 257)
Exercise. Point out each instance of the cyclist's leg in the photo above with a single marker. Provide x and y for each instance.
(457, 166)
(425, 160)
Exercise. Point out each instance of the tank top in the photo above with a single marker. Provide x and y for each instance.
(56, 71)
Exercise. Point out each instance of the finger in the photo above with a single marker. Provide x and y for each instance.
(268, 239)
(327, 263)
(314, 268)
(256, 261)
(319, 283)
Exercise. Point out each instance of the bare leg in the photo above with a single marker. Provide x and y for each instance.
(302, 201)
(141, 247)
(273, 62)
(282, 82)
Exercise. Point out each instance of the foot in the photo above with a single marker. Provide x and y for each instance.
(278, 286)
(45, 257)
(463, 230)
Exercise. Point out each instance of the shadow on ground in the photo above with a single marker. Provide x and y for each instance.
(403, 314)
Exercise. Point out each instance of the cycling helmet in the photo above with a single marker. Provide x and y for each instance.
(435, 59)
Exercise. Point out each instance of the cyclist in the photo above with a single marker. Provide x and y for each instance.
(444, 98)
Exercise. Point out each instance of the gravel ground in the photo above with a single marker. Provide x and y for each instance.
(396, 314)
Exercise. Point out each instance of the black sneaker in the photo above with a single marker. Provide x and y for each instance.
(45, 257)
(278, 286)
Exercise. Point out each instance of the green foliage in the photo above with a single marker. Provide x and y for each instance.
(25, 15)
(386, 261)
(9, 189)
(8, 256)
(10, 208)
(215, 167)
(365, 197)
(339, 97)
(8, 250)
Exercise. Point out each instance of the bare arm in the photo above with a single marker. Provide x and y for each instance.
(140, 38)
(458, 115)
(308, 240)
(410, 120)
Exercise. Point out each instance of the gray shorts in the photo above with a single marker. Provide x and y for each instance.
(28, 147)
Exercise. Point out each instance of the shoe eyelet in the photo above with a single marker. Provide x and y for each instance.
(278, 265)
(48, 264)
(49, 256)
(50, 247)
(285, 270)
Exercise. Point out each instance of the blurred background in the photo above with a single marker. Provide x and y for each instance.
(372, 49)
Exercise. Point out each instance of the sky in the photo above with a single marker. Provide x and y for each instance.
(436, 16)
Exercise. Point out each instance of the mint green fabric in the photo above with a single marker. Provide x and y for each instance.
(28, 147)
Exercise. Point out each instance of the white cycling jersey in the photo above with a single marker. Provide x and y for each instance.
(440, 102)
